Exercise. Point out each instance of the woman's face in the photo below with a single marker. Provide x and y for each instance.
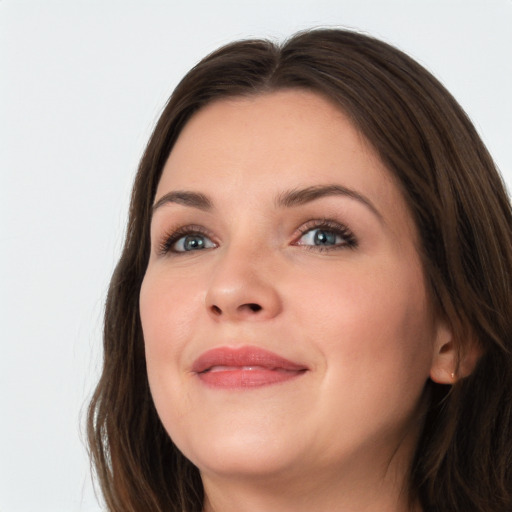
(286, 320)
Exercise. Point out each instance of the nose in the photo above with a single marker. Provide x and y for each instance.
(242, 287)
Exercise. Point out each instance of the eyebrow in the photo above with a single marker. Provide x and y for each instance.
(288, 199)
(298, 197)
(192, 199)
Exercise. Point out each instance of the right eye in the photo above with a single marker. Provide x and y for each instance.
(183, 240)
(192, 242)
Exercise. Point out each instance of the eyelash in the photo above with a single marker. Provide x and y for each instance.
(338, 229)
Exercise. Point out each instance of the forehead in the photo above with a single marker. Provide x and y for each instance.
(254, 146)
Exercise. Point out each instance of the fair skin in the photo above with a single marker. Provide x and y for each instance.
(328, 278)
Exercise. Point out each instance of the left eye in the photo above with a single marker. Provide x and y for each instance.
(191, 242)
(327, 237)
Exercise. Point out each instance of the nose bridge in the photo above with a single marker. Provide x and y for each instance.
(242, 284)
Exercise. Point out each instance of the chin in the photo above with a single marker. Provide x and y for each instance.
(251, 453)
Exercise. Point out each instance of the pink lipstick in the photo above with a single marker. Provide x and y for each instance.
(244, 367)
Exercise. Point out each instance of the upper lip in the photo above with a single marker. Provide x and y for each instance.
(244, 357)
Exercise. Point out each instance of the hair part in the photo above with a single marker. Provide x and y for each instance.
(463, 216)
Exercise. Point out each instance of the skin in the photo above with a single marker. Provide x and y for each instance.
(341, 436)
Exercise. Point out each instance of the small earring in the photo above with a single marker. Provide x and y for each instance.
(452, 375)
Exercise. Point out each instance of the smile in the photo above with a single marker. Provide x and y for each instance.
(245, 367)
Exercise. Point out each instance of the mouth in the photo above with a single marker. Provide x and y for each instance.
(244, 367)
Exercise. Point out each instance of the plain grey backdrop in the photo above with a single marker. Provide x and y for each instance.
(81, 85)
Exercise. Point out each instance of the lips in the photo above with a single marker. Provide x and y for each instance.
(244, 367)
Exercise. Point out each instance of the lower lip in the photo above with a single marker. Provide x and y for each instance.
(242, 378)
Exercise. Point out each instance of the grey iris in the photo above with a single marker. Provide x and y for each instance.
(325, 238)
(193, 242)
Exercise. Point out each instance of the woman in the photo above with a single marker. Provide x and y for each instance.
(312, 307)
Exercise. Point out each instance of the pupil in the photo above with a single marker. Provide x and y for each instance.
(193, 242)
(325, 238)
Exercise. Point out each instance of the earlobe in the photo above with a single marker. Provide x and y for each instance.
(452, 361)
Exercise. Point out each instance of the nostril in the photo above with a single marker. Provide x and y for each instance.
(251, 307)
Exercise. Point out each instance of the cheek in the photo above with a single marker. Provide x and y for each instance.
(168, 313)
(372, 319)
(168, 308)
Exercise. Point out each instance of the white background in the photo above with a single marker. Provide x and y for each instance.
(81, 84)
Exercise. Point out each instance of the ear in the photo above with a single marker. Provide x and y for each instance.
(451, 360)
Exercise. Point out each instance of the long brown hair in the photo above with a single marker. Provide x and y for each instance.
(463, 461)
